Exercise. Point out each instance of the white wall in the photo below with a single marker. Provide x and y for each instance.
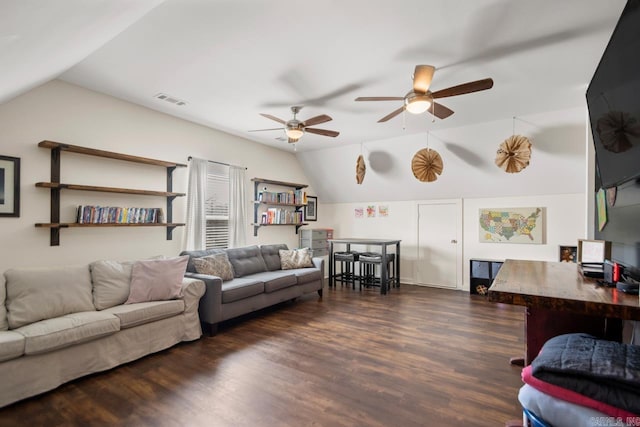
(66, 113)
(565, 224)
(62, 112)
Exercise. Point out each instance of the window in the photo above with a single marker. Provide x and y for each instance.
(217, 206)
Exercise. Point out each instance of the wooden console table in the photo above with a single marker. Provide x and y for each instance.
(559, 300)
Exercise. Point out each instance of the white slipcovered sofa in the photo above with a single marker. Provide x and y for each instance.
(61, 323)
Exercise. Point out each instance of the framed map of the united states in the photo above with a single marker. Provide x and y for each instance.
(512, 225)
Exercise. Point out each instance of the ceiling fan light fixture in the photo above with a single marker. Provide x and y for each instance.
(416, 103)
(294, 132)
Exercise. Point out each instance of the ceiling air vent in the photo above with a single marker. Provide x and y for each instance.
(170, 99)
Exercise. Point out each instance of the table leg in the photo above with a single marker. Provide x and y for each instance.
(397, 264)
(331, 265)
(384, 274)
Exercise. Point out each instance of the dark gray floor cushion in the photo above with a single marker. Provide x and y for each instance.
(238, 289)
(247, 260)
(271, 255)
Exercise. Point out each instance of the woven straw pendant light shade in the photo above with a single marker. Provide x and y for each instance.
(427, 165)
(514, 154)
(361, 168)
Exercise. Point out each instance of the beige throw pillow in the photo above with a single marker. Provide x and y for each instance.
(111, 281)
(296, 258)
(35, 294)
(157, 279)
(215, 265)
(4, 324)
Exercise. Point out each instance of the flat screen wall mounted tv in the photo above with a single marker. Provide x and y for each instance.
(613, 99)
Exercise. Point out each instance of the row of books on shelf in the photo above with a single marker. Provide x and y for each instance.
(297, 197)
(281, 216)
(118, 215)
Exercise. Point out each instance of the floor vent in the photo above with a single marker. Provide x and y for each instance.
(170, 99)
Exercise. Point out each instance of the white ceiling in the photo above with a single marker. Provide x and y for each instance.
(233, 59)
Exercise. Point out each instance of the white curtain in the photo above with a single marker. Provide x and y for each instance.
(237, 207)
(196, 223)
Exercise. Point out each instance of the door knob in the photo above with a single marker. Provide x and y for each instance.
(454, 241)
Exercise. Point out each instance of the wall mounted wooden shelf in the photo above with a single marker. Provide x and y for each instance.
(55, 186)
(257, 203)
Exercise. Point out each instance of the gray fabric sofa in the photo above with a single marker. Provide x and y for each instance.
(61, 323)
(258, 282)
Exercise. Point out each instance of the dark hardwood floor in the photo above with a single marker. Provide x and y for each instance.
(415, 357)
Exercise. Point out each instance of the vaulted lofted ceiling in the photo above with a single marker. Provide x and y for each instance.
(230, 60)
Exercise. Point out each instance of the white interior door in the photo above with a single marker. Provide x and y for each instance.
(439, 244)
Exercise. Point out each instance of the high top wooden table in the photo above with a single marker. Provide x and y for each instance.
(383, 243)
(559, 300)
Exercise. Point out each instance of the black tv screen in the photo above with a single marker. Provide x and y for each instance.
(613, 99)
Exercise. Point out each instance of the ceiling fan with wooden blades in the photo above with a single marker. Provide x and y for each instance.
(421, 99)
(294, 129)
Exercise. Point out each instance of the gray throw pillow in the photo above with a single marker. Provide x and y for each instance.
(215, 265)
(296, 258)
(191, 268)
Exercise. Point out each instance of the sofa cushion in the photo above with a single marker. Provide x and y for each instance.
(157, 279)
(111, 281)
(238, 289)
(131, 315)
(306, 275)
(296, 258)
(215, 265)
(275, 280)
(191, 268)
(271, 255)
(4, 324)
(11, 345)
(52, 334)
(34, 294)
(247, 260)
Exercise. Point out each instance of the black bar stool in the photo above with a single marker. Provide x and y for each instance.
(368, 262)
(347, 262)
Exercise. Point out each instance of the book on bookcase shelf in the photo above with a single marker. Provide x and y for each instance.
(87, 214)
(297, 197)
(281, 216)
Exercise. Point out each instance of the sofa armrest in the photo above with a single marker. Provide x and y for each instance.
(191, 292)
(211, 302)
(318, 262)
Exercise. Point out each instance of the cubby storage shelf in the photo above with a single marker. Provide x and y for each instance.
(55, 187)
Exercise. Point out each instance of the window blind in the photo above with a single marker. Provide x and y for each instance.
(217, 206)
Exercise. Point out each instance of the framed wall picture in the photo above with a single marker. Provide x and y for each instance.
(9, 186)
(311, 210)
(568, 254)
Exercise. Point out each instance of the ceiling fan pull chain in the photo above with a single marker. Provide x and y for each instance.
(513, 131)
